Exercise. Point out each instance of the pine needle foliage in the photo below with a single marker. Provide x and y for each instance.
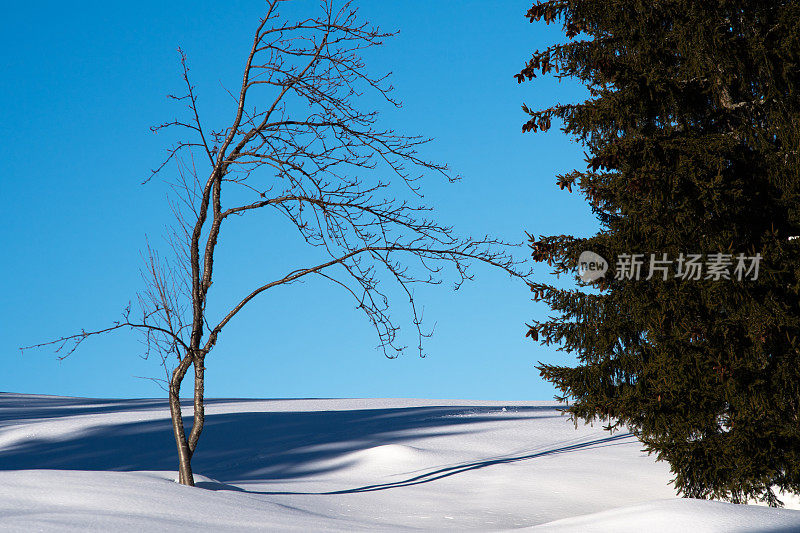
(692, 131)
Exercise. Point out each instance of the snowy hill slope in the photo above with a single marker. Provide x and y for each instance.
(338, 465)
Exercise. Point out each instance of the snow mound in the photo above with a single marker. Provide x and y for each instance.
(75, 501)
(76, 464)
(387, 454)
(680, 514)
(385, 459)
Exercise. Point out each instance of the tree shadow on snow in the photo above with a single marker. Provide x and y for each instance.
(439, 473)
(16, 408)
(237, 447)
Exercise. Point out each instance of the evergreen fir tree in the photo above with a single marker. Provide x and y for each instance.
(692, 131)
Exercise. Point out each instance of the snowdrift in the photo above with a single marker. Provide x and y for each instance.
(73, 464)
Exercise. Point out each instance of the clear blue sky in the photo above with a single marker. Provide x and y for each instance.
(84, 81)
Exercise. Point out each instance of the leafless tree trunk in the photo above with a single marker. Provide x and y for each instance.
(297, 143)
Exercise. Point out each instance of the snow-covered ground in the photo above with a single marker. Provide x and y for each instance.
(73, 464)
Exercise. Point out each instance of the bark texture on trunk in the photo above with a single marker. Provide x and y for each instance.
(185, 476)
(199, 405)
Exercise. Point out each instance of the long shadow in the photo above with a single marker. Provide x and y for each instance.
(15, 408)
(21, 407)
(241, 446)
(461, 468)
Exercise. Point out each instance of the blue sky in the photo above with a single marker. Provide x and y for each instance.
(84, 82)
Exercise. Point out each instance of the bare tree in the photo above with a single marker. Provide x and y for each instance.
(300, 144)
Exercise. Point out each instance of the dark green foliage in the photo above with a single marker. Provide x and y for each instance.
(693, 131)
